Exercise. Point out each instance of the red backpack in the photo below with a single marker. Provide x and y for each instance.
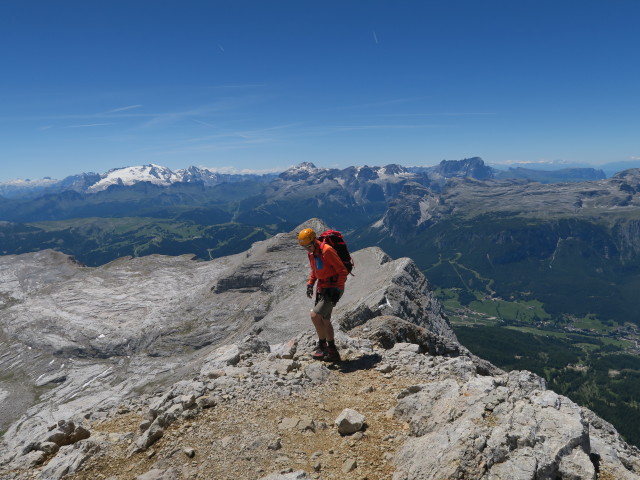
(334, 238)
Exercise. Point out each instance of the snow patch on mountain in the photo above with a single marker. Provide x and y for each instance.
(155, 174)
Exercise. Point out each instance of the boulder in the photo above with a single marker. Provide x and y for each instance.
(349, 421)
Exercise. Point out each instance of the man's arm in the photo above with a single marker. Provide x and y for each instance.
(312, 275)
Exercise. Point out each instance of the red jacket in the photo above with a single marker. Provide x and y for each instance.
(327, 268)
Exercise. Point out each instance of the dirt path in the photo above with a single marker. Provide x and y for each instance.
(242, 439)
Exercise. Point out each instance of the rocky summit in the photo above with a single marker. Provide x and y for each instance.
(169, 368)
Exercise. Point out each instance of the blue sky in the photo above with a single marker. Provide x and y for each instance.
(93, 85)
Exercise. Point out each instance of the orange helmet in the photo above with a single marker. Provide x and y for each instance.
(306, 236)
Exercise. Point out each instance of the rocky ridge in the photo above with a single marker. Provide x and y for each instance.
(178, 369)
(395, 413)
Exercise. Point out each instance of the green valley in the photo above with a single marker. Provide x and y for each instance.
(96, 241)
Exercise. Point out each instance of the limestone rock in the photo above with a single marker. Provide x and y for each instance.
(349, 465)
(349, 421)
(69, 458)
(577, 466)
(275, 444)
(150, 436)
(189, 452)
(387, 330)
(317, 372)
(497, 425)
(252, 344)
(67, 433)
(49, 448)
(206, 401)
(285, 350)
(30, 459)
(220, 358)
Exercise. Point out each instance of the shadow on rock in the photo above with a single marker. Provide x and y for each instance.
(366, 362)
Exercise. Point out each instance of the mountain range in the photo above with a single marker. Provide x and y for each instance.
(163, 176)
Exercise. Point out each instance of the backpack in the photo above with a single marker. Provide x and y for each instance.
(334, 238)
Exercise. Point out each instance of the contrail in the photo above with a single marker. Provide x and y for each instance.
(122, 109)
(375, 37)
(90, 125)
(203, 123)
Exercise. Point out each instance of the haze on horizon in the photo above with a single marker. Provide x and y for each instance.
(88, 86)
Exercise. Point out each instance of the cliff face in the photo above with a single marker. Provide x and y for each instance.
(131, 369)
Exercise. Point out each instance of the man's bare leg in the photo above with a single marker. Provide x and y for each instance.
(324, 328)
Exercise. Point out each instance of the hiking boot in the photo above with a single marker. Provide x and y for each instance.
(320, 351)
(331, 354)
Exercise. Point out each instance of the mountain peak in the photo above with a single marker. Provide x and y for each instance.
(469, 167)
(301, 171)
(394, 169)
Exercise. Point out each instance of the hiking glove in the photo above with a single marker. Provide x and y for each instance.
(333, 294)
(310, 290)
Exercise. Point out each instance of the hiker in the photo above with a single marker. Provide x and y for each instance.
(330, 272)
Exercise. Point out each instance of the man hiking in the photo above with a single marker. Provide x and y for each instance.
(331, 274)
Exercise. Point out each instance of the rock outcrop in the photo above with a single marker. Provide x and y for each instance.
(129, 367)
